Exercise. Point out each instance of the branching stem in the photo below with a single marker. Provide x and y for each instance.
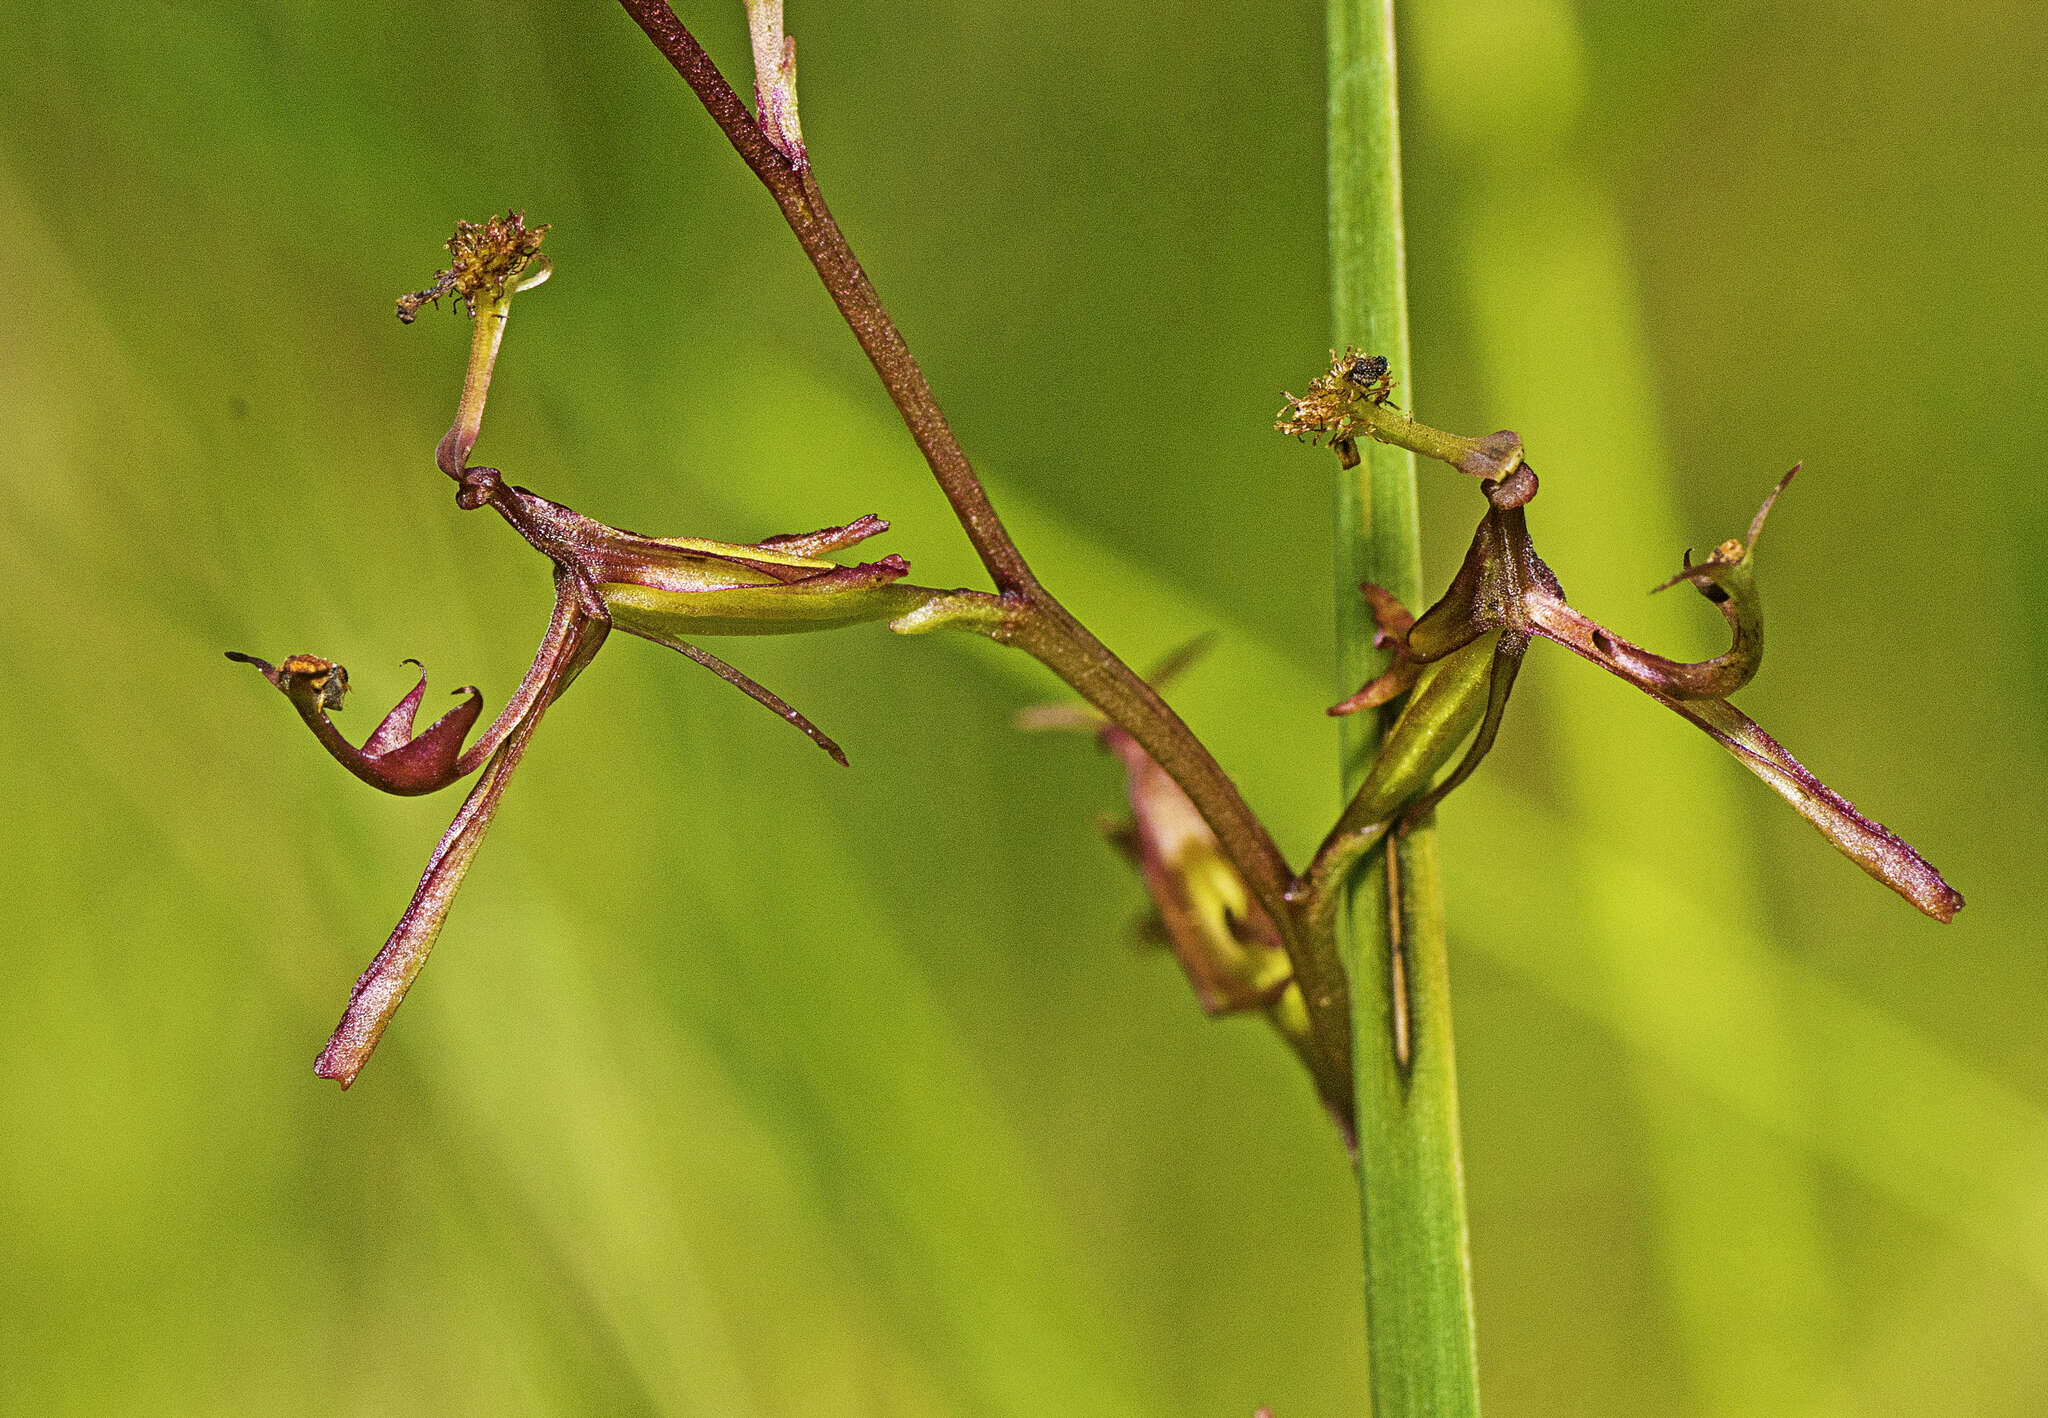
(1036, 622)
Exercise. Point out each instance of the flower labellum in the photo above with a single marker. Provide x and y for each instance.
(393, 757)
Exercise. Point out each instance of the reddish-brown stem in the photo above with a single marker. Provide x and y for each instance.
(1036, 622)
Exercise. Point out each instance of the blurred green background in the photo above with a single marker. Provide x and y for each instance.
(745, 1085)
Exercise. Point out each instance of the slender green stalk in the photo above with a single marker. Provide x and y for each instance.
(1418, 1287)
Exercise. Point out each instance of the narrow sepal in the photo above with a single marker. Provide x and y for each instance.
(1869, 844)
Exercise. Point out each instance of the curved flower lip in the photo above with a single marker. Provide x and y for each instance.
(654, 587)
(393, 758)
(603, 576)
(1726, 578)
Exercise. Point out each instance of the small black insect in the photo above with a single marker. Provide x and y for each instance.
(1366, 370)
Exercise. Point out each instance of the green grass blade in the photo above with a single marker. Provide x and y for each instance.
(1418, 1282)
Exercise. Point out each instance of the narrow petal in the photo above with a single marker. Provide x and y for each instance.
(826, 540)
(1078, 718)
(1392, 623)
(755, 691)
(1180, 660)
(396, 728)
(1065, 718)
(604, 553)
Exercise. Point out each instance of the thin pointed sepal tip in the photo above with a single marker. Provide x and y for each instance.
(1756, 524)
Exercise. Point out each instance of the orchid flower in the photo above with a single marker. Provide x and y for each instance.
(1504, 595)
(657, 588)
